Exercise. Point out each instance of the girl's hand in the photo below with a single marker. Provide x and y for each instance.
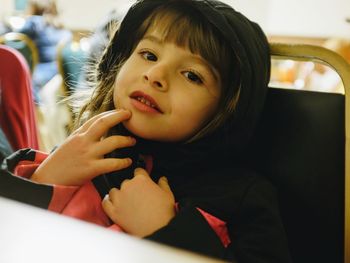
(81, 157)
(141, 206)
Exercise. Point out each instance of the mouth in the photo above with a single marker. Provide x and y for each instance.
(149, 104)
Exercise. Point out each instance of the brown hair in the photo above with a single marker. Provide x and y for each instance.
(185, 27)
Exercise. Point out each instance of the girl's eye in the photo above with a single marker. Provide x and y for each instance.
(148, 55)
(193, 77)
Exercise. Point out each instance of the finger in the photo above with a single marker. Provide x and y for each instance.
(88, 123)
(108, 208)
(108, 165)
(164, 184)
(140, 172)
(123, 184)
(102, 124)
(113, 195)
(114, 142)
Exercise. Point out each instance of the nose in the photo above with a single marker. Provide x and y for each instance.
(155, 76)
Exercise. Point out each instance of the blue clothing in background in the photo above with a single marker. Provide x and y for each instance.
(5, 148)
(46, 37)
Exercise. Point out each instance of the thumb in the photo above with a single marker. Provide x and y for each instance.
(163, 183)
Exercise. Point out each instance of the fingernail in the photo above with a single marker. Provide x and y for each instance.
(122, 110)
(126, 110)
(106, 197)
(133, 140)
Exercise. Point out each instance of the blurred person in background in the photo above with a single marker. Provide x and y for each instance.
(4, 28)
(43, 27)
(97, 42)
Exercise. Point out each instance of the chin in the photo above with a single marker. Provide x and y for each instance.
(149, 134)
(139, 131)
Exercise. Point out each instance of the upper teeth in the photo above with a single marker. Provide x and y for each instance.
(144, 101)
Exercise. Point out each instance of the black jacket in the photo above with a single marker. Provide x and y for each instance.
(243, 203)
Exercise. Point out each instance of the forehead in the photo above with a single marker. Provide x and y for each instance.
(177, 28)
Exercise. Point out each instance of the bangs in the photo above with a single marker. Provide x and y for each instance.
(181, 30)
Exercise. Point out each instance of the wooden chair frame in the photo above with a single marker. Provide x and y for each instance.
(13, 36)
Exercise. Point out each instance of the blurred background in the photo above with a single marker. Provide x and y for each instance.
(307, 18)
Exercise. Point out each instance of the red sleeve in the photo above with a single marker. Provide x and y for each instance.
(61, 195)
(26, 167)
(218, 225)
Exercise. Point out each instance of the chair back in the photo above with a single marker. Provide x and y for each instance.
(301, 146)
(17, 109)
(24, 45)
(71, 64)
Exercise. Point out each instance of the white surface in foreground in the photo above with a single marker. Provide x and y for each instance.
(30, 234)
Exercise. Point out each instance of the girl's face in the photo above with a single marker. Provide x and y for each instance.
(170, 91)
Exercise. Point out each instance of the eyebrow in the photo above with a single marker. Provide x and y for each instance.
(207, 65)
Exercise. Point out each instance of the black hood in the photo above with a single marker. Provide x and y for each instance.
(248, 42)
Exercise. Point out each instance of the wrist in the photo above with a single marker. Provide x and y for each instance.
(36, 177)
(159, 224)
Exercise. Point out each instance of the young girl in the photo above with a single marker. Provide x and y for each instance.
(179, 91)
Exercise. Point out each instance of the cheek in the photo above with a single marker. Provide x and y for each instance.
(118, 94)
(120, 87)
(115, 98)
(197, 105)
(193, 115)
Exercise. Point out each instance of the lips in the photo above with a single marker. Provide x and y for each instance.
(145, 99)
